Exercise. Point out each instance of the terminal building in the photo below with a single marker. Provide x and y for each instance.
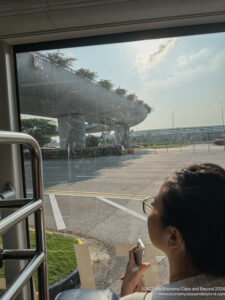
(179, 135)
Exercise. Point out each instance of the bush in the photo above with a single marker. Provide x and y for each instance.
(86, 73)
(132, 97)
(107, 84)
(92, 141)
(121, 92)
(59, 58)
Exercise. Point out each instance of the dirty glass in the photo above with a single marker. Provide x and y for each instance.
(113, 121)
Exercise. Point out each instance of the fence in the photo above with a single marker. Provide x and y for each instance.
(193, 147)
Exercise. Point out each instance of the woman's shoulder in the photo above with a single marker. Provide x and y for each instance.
(201, 279)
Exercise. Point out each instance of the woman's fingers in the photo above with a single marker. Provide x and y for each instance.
(132, 279)
(143, 268)
(141, 286)
(122, 277)
(131, 253)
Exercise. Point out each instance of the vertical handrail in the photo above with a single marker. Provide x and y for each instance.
(8, 137)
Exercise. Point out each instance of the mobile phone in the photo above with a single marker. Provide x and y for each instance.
(139, 252)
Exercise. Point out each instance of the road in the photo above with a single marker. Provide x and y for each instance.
(102, 197)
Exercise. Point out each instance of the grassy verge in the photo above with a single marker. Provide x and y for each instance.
(60, 255)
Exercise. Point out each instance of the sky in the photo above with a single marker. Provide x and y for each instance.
(183, 77)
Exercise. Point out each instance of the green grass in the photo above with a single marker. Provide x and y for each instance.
(61, 258)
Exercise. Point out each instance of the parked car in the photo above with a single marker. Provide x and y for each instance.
(219, 141)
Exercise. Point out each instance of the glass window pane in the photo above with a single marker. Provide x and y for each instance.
(113, 121)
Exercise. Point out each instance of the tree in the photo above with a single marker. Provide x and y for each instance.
(86, 73)
(120, 91)
(59, 58)
(92, 141)
(132, 97)
(139, 101)
(40, 129)
(106, 84)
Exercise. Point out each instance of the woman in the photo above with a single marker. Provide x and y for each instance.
(187, 222)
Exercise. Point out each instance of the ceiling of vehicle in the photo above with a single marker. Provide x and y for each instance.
(40, 20)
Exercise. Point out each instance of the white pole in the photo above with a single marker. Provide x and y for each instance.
(222, 118)
(222, 115)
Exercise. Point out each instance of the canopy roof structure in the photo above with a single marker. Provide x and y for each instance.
(49, 90)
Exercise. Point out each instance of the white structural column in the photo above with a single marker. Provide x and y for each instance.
(10, 161)
(72, 131)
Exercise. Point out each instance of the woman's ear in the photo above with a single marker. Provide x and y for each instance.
(175, 239)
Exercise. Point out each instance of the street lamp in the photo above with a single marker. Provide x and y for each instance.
(173, 118)
(222, 115)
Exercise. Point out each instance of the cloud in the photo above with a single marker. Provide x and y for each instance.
(178, 76)
(185, 60)
(149, 60)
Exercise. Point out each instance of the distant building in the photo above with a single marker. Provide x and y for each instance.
(179, 135)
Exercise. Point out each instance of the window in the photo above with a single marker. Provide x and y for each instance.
(113, 121)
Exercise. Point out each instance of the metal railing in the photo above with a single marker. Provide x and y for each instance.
(26, 207)
(183, 147)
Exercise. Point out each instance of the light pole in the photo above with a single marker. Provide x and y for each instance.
(222, 115)
(173, 118)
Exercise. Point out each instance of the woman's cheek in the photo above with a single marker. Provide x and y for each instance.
(150, 227)
(153, 229)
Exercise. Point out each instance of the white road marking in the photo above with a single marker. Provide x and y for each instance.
(60, 225)
(58, 217)
(127, 210)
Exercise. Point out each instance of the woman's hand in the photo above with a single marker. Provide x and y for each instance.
(132, 280)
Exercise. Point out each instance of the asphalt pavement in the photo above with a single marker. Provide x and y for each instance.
(101, 198)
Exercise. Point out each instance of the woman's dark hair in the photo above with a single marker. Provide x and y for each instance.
(194, 202)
